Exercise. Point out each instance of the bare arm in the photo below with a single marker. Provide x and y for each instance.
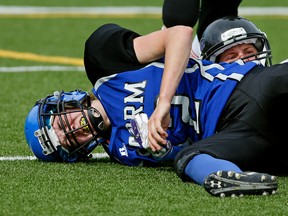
(175, 44)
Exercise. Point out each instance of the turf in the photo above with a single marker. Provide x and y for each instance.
(98, 187)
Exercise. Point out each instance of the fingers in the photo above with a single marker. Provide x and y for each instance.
(156, 134)
(156, 140)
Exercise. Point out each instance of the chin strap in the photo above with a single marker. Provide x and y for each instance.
(96, 120)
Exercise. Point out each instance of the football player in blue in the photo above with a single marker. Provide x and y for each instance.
(67, 126)
(227, 110)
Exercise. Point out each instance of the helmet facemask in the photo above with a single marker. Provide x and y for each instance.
(58, 107)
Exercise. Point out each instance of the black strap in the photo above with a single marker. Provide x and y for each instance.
(96, 119)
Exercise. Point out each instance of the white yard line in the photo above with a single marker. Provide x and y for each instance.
(16, 158)
(24, 10)
(43, 68)
(260, 11)
(21, 10)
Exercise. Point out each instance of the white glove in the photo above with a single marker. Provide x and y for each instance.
(139, 130)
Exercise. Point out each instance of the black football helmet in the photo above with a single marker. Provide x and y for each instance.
(229, 31)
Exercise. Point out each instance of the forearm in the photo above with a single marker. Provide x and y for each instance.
(178, 48)
(168, 42)
(175, 43)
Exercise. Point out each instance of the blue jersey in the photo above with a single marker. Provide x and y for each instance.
(195, 110)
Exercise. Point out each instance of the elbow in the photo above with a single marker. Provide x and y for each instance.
(183, 34)
(183, 30)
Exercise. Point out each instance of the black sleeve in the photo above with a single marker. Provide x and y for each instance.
(110, 50)
(188, 12)
(183, 12)
(215, 9)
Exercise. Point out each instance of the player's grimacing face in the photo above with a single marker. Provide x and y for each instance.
(73, 123)
(237, 52)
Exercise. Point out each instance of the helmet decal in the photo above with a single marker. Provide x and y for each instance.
(234, 32)
(47, 139)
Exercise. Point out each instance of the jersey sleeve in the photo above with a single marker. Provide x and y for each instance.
(110, 50)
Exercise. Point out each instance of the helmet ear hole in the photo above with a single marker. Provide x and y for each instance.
(259, 45)
(96, 120)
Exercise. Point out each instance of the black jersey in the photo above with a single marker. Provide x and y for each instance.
(109, 50)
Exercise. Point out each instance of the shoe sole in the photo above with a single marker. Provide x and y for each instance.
(229, 183)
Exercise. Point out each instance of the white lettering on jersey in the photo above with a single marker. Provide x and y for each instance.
(186, 116)
(197, 111)
(123, 151)
(184, 102)
(134, 104)
(131, 111)
(136, 96)
(136, 89)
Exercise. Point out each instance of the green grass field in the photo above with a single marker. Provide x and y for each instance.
(30, 187)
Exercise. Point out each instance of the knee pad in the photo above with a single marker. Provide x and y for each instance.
(181, 161)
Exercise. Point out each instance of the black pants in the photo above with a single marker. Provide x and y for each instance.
(187, 12)
(253, 129)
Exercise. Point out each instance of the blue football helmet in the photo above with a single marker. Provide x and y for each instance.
(42, 138)
(229, 31)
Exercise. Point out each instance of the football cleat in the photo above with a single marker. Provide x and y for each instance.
(231, 183)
